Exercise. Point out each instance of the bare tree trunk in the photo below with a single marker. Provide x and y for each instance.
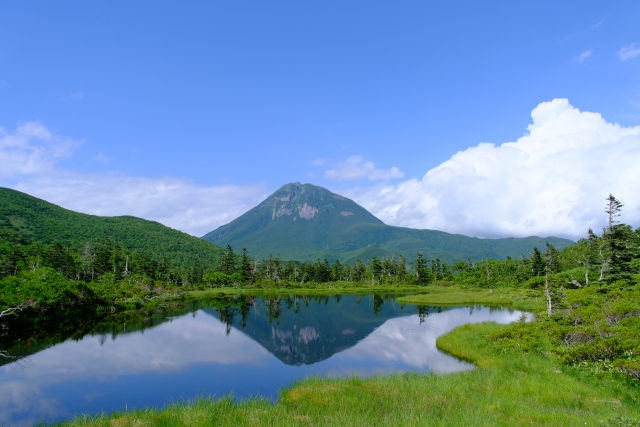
(602, 268)
(548, 294)
(586, 277)
(8, 312)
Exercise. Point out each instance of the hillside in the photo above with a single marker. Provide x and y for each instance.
(38, 220)
(305, 222)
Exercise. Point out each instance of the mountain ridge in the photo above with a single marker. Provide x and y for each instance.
(304, 222)
(38, 220)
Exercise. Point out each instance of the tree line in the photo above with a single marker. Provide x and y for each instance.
(104, 272)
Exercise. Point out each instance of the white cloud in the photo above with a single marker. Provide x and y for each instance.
(174, 202)
(28, 157)
(629, 52)
(102, 158)
(552, 181)
(318, 162)
(31, 150)
(356, 168)
(582, 57)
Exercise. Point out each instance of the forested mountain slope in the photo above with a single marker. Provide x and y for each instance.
(305, 222)
(38, 220)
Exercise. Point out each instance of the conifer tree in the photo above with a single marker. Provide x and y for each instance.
(245, 265)
(227, 262)
(617, 239)
(537, 263)
(376, 269)
(436, 269)
(551, 259)
(401, 268)
(420, 270)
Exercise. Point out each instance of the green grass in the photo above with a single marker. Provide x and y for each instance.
(329, 288)
(520, 299)
(519, 390)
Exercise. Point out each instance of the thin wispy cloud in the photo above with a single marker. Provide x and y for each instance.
(597, 25)
(29, 156)
(582, 57)
(76, 96)
(355, 168)
(319, 162)
(629, 52)
(584, 31)
(102, 158)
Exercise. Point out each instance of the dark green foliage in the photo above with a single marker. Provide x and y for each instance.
(245, 266)
(376, 268)
(306, 222)
(587, 326)
(228, 261)
(537, 263)
(551, 258)
(618, 244)
(35, 220)
(420, 269)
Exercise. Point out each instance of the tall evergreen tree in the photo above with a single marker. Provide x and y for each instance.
(245, 265)
(617, 239)
(436, 269)
(551, 258)
(376, 269)
(228, 261)
(420, 270)
(537, 263)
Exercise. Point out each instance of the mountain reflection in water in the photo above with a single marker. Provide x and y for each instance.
(244, 346)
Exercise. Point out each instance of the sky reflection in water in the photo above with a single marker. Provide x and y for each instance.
(193, 355)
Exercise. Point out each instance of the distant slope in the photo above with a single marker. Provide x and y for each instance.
(305, 222)
(38, 220)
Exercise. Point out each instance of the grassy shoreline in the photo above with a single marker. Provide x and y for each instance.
(507, 389)
(519, 299)
(522, 389)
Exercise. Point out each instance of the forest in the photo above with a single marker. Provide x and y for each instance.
(61, 274)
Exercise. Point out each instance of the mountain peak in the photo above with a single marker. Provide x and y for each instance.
(296, 201)
(305, 222)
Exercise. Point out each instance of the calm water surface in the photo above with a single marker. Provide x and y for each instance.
(255, 346)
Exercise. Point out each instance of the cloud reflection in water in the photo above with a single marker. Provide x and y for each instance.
(193, 355)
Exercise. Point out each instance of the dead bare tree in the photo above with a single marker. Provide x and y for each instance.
(8, 312)
(12, 310)
(548, 294)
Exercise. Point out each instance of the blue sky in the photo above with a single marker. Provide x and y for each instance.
(252, 95)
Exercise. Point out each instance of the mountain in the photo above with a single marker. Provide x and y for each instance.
(305, 330)
(304, 222)
(38, 220)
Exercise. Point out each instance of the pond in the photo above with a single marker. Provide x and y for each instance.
(244, 346)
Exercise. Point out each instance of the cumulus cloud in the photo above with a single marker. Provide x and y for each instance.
(629, 52)
(355, 167)
(552, 181)
(582, 57)
(28, 157)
